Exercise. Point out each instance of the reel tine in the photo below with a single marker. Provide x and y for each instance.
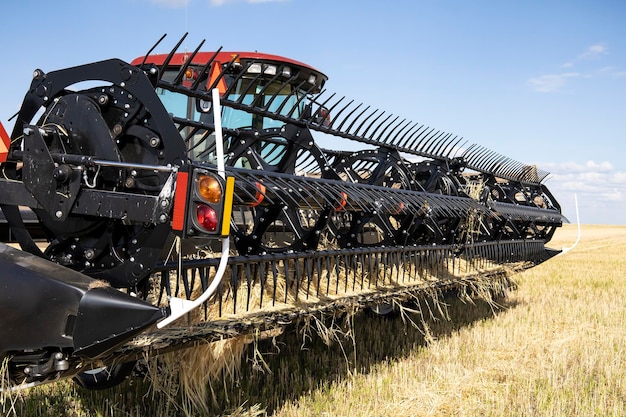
(394, 140)
(448, 144)
(277, 93)
(324, 103)
(297, 104)
(439, 144)
(204, 70)
(377, 124)
(406, 136)
(370, 125)
(169, 57)
(428, 145)
(454, 146)
(260, 95)
(183, 68)
(330, 111)
(387, 136)
(345, 119)
(215, 83)
(152, 49)
(416, 136)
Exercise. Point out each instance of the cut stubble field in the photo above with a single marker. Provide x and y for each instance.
(554, 346)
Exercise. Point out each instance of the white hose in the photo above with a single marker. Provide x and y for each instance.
(180, 306)
(567, 249)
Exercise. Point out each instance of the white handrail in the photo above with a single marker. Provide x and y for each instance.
(567, 249)
(180, 306)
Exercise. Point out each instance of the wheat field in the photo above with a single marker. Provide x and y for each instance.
(554, 346)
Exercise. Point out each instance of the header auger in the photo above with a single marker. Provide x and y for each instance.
(192, 185)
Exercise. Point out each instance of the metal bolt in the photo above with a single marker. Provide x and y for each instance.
(103, 99)
(154, 142)
(59, 214)
(117, 129)
(41, 90)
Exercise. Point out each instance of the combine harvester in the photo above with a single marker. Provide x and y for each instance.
(185, 198)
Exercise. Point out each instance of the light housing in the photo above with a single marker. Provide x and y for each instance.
(210, 204)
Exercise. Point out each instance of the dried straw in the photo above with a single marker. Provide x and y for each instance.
(187, 377)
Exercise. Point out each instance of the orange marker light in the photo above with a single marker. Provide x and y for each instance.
(342, 202)
(209, 188)
(259, 195)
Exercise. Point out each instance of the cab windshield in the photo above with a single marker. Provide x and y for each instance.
(281, 98)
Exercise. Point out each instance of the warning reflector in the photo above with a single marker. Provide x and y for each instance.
(216, 79)
(5, 143)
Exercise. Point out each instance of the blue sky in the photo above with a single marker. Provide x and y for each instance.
(541, 81)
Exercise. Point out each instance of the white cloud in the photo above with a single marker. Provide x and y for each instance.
(551, 82)
(171, 3)
(603, 166)
(592, 52)
(218, 3)
(600, 187)
(619, 177)
(614, 195)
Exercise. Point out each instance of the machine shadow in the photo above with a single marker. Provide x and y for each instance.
(302, 359)
(306, 356)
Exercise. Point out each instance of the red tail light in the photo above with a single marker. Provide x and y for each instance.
(207, 217)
